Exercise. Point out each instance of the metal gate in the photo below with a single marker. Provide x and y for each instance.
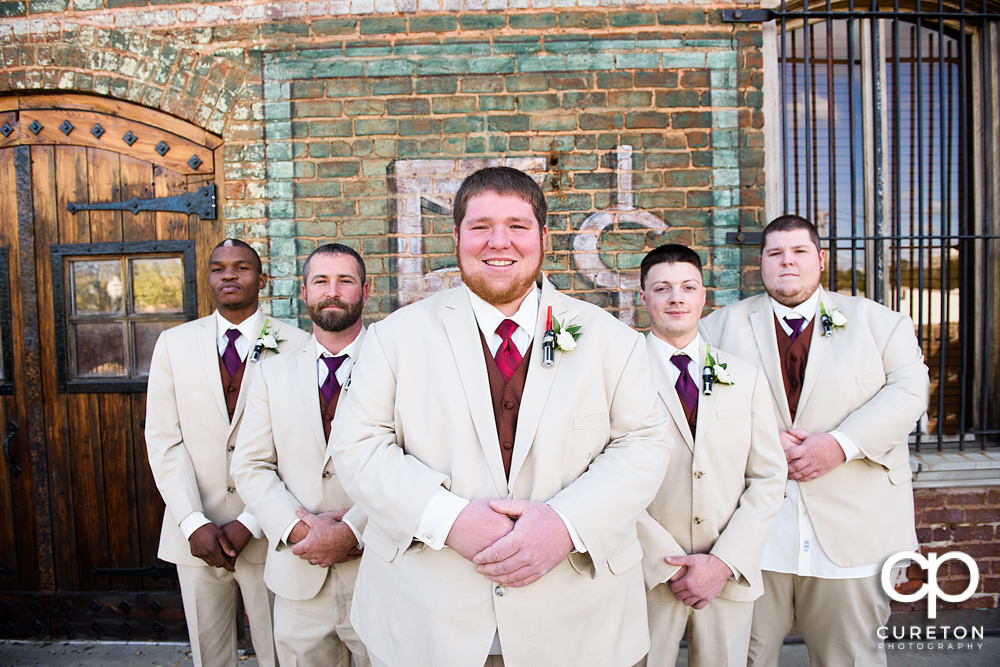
(889, 127)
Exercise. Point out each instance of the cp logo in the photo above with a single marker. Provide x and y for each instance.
(930, 590)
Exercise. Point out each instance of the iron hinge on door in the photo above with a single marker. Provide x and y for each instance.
(200, 203)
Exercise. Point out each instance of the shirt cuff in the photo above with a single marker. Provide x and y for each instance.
(438, 518)
(357, 534)
(288, 531)
(193, 522)
(851, 451)
(735, 576)
(250, 521)
(578, 544)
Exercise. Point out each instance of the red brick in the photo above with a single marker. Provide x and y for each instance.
(696, 78)
(983, 515)
(954, 499)
(944, 516)
(922, 498)
(974, 533)
(235, 190)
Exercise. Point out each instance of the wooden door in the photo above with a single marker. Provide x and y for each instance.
(79, 525)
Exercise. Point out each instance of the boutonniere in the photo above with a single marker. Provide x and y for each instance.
(560, 336)
(714, 371)
(831, 320)
(265, 341)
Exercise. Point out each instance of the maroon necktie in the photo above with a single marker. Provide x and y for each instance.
(796, 324)
(231, 358)
(507, 356)
(686, 388)
(330, 385)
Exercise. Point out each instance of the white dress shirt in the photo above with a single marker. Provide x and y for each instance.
(793, 547)
(249, 331)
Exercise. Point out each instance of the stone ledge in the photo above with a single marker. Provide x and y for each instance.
(955, 469)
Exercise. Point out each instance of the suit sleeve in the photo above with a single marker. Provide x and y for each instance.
(255, 465)
(391, 487)
(880, 424)
(742, 542)
(169, 460)
(604, 502)
(657, 543)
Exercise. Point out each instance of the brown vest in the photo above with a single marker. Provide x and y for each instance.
(231, 385)
(506, 400)
(793, 361)
(328, 410)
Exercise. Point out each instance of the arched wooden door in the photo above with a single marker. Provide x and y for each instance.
(87, 294)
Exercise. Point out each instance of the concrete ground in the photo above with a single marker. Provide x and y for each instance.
(143, 654)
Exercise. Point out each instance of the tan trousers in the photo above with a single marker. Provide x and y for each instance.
(491, 661)
(837, 618)
(717, 636)
(209, 596)
(318, 632)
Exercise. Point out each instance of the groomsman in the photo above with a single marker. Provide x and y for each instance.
(199, 378)
(848, 383)
(312, 562)
(704, 532)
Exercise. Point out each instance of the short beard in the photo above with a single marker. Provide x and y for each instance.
(492, 295)
(334, 321)
(792, 300)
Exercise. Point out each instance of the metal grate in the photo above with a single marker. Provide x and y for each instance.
(888, 124)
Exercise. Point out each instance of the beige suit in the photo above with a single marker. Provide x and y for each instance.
(278, 466)
(589, 442)
(868, 381)
(720, 495)
(189, 439)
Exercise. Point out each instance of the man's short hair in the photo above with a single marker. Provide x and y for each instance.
(789, 223)
(502, 181)
(670, 253)
(236, 243)
(335, 249)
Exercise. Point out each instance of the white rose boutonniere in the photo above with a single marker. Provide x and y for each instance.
(566, 334)
(831, 320)
(265, 341)
(715, 371)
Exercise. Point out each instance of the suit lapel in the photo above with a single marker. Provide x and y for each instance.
(251, 370)
(208, 348)
(818, 347)
(310, 392)
(705, 403)
(539, 381)
(462, 331)
(668, 394)
(762, 322)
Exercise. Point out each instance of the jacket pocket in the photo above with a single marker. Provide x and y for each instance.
(379, 543)
(591, 421)
(900, 474)
(625, 558)
(872, 378)
(739, 413)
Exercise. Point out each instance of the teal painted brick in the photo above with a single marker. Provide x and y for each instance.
(482, 84)
(437, 84)
(303, 169)
(364, 107)
(727, 217)
(334, 26)
(463, 125)
(330, 128)
(541, 63)
(279, 152)
(474, 144)
(392, 86)
(725, 139)
(578, 161)
(725, 159)
(492, 65)
(637, 61)
(596, 61)
(651, 42)
(481, 21)
(630, 98)
(631, 19)
(533, 21)
(302, 70)
(726, 118)
(724, 198)
(382, 26)
(496, 102)
(339, 69)
(583, 20)
(408, 106)
(727, 279)
(346, 88)
(723, 98)
(722, 60)
(683, 60)
(723, 79)
(435, 23)
(317, 189)
(364, 126)
(368, 49)
(724, 177)
(537, 102)
(284, 287)
(465, 47)
(708, 43)
(278, 189)
(280, 209)
(517, 44)
(574, 202)
(395, 67)
(422, 48)
(277, 110)
(455, 104)
(526, 82)
(281, 170)
(616, 44)
(517, 123)
(280, 307)
(568, 44)
(432, 66)
(498, 143)
(554, 123)
(338, 169)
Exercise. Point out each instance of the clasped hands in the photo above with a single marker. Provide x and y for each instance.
(810, 455)
(512, 542)
(220, 546)
(323, 539)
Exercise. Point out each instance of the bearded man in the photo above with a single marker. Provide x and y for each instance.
(453, 429)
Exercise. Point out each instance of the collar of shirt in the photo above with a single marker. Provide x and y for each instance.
(489, 318)
(666, 351)
(344, 371)
(807, 309)
(250, 328)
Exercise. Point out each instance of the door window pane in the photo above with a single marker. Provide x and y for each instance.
(97, 286)
(158, 285)
(145, 335)
(100, 350)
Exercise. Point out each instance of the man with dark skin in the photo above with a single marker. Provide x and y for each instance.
(199, 378)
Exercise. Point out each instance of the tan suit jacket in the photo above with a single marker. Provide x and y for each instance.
(589, 442)
(723, 488)
(189, 437)
(279, 465)
(867, 380)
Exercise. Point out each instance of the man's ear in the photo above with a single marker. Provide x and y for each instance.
(261, 281)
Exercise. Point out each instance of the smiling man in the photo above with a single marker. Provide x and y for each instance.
(453, 429)
(199, 379)
(279, 468)
(705, 530)
(848, 382)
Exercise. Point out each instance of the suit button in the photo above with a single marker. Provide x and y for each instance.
(794, 383)
(508, 446)
(794, 358)
(698, 474)
(230, 448)
(698, 519)
(500, 590)
(509, 405)
(327, 418)
(230, 490)
(327, 474)
(428, 538)
(232, 390)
